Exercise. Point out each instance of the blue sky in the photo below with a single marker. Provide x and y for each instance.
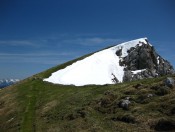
(38, 34)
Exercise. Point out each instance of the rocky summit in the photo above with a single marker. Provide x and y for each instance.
(145, 61)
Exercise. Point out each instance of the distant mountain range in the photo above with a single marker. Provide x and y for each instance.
(8, 82)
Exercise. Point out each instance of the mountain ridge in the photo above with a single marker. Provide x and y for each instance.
(37, 105)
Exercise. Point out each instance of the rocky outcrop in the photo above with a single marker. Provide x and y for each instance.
(142, 61)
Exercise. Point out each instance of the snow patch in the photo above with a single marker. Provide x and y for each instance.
(138, 71)
(158, 60)
(98, 68)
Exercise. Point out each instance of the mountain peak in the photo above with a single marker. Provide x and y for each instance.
(127, 61)
(129, 44)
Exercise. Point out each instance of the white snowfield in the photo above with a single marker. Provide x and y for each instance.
(100, 68)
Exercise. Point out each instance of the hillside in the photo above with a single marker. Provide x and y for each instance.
(34, 105)
(134, 105)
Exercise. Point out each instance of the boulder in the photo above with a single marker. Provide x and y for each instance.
(119, 52)
(124, 103)
(169, 82)
(150, 95)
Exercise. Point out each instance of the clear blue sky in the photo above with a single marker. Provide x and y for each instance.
(38, 34)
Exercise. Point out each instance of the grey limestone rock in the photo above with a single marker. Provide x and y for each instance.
(144, 57)
(124, 104)
(150, 95)
(119, 52)
(170, 82)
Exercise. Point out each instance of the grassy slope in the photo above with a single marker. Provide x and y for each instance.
(34, 105)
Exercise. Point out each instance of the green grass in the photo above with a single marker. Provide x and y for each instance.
(34, 105)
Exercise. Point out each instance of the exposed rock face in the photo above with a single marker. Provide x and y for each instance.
(142, 61)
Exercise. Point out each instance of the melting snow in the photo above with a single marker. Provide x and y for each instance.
(158, 60)
(99, 68)
(137, 71)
